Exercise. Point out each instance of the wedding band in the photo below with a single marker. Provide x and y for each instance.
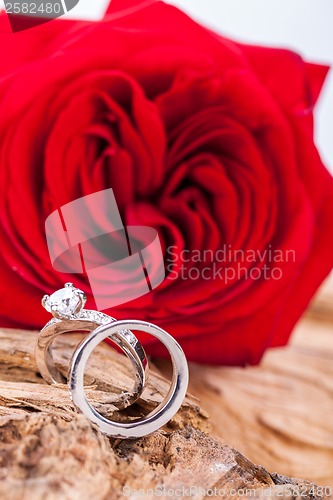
(69, 316)
(162, 413)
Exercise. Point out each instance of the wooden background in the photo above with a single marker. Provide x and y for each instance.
(280, 414)
(255, 427)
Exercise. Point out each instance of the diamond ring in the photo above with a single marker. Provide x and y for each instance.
(162, 413)
(67, 307)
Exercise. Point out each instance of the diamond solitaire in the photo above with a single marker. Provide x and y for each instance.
(65, 303)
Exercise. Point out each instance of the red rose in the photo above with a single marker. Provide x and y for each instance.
(206, 140)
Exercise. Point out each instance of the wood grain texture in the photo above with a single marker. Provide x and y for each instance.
(50, 452)
(279, 413)
(321, 307)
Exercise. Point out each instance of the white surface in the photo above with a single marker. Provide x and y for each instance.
(301, 25)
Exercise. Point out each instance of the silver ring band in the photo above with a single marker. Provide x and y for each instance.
(162, 413)
(88, 321)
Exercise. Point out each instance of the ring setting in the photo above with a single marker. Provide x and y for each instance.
(67, 308)
(65, 303)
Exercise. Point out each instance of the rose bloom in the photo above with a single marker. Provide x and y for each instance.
(206, 140)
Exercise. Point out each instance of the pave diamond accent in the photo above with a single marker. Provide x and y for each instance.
(86, 315)
(100, 319)
(96, 316)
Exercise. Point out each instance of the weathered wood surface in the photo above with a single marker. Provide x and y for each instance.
(48, 451)
(280, 413)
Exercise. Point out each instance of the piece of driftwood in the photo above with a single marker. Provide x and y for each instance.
(279, 413)
(48, 451)
(321, 307)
